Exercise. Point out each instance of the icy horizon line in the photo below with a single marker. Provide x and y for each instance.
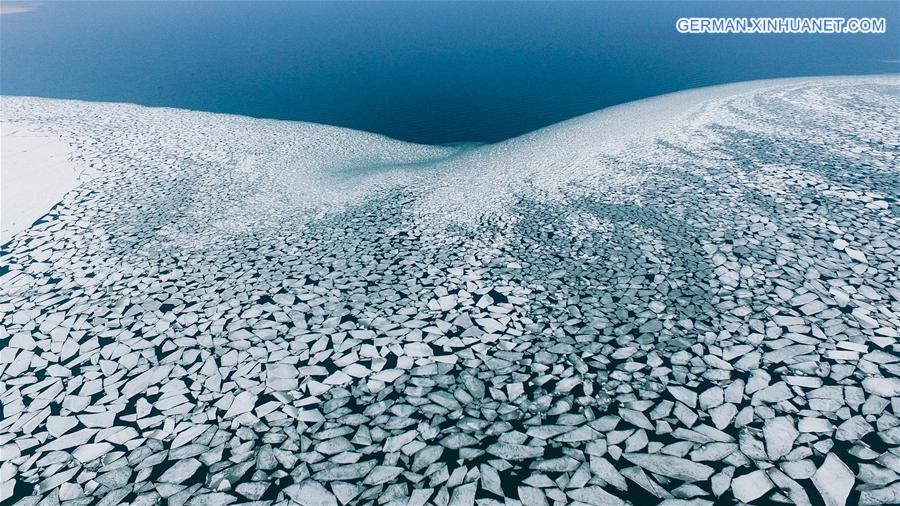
(474, 144)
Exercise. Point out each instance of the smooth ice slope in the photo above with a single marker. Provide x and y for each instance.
(37, 172)
(688, 299)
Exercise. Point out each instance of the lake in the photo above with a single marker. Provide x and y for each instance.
(429, 72)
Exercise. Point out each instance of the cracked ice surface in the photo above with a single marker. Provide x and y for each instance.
(688, 298)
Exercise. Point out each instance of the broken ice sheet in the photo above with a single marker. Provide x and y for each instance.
(707, 314)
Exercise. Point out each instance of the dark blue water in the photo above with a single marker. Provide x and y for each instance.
(425, 72)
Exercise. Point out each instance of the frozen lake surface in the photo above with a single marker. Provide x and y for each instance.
(691, 298)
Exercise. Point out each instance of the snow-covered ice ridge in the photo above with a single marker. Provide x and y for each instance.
(689, 299)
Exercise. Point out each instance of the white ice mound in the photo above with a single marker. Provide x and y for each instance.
(247, 169)
(613, 147)
(37, 171)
